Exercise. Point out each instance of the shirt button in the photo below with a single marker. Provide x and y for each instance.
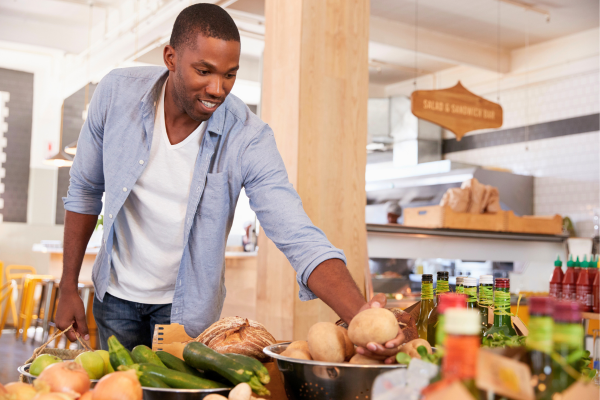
(109, 215)
(124, 189)
(141, 162)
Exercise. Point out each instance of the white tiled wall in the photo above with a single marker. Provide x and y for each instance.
(4, 99)
(566, 168)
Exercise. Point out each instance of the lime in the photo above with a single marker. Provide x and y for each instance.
(93, 364)
(40, 363)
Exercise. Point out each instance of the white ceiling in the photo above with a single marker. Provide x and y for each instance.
(478, 19)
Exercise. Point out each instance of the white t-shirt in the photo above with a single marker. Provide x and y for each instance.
(148, 243)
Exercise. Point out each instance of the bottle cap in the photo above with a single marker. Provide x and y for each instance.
(577, 263)
(502, 283)
(461, 321)
(558, 262)
(570, 263)
(427, 278)
(585, 263)
(469, 281)
(567, 311)
(541, 305)
(486, 280)
(594, 264)
(452, 300)
(460, 280)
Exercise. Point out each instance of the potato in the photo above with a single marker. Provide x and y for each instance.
(349, 349)
(410, 348)
(376, 325)
(363, 360)
(326, 342)
(297, 353)
(299, 344)
(215, 397)
(241, 392)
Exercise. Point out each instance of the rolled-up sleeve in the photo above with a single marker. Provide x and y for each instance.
(86, 185)
(280, 212)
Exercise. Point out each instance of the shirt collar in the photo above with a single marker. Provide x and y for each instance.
(214, 124)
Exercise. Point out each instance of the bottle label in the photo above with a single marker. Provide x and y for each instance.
(555, 289)
(584, 296)
(568, 292)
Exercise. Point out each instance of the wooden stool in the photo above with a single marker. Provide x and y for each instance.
(16, 273)
(5, 295)
(25, 316)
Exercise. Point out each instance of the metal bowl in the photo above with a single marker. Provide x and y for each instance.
(150, 393)
(318, 380)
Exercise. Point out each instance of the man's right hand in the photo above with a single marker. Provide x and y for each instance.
(70, 311)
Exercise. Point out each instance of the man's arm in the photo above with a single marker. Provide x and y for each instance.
(331, 282)
(78, 230)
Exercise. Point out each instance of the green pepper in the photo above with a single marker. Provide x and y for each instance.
(117, 354)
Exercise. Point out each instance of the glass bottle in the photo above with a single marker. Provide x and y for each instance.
(502, 316)
(486, 299)
(539, 345)
(556, 279)
(568, 339)
(441, 288)
(459, 285)
(447, 301)
(569, 281)
(470, 285)
(427, 304)
(462, 347)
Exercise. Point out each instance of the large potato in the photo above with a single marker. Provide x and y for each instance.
(299, 344)
(349, 349)
(297, 353)
(363, 360)
(376, 325)
(326, 342)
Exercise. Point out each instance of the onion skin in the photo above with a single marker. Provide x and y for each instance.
(20, 390)
(2, 389)
(87, 396)
(53, 396)
(121, 385)
(65, 377)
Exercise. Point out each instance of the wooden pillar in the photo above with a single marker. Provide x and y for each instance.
(315, 91)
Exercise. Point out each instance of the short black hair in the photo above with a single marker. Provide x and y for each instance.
(209, 20)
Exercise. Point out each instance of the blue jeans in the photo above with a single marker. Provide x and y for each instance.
(132, 323)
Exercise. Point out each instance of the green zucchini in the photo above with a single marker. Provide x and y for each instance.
(177, 364)
(202, 357)
(117, 354)
(147, 380)
(254, 365)
(144, 354)
(176, 379)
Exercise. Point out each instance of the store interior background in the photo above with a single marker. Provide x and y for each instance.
(541, 70)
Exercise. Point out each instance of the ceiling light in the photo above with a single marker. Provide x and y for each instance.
(71, 148)
(59, 160)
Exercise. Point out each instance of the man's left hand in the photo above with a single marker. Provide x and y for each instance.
(376, 351)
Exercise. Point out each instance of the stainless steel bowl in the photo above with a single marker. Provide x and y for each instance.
(317, 380)
(151, 393)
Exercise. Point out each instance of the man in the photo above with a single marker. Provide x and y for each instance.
(172, 150)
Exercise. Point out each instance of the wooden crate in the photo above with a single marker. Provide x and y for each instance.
(542, 224)
(443, 217)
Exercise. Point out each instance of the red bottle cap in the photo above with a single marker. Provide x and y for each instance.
(502, 283)
(452, 300)
(567, 311)
(541, 305)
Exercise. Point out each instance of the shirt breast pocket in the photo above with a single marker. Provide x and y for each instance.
(214, 204)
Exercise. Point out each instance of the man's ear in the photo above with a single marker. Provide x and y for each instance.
(170, 57)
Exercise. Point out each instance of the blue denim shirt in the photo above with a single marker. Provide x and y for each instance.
(238, 150)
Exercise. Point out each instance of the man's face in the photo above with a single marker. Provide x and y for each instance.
(202, 75)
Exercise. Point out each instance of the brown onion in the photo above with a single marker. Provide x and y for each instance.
(87, 396)
(53, 396)
(122, 385)
(65, 377)
(20, 390)
(2, 389)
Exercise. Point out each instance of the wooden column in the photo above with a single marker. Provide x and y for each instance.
(315, 91)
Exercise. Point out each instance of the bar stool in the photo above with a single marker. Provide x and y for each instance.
(25, 316)
(46, 306)
(5, 294)
(16, 273)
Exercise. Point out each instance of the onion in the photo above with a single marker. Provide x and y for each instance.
(2, 390)
(54, 396)
(122, 385)
(87, 396)
(65, 377)
(20, 390)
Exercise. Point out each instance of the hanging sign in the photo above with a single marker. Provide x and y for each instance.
(456, 109)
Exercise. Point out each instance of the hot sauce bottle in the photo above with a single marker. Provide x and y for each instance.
(569, 281)
(556, 279)
(593, 271)
(596, 290)
(583, 290)
(577, 268)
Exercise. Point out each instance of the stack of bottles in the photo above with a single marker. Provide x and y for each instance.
(580, 282)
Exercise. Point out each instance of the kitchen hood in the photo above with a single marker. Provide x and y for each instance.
(425, 184)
